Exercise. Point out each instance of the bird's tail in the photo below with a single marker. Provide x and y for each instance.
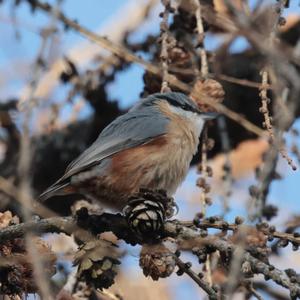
(57, 189)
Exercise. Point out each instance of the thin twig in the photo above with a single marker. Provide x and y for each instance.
(235, 265)
(265, 100)
(203, 184)
(205, 188)
(201, 36)
(128, 56)
(231, 79)
(272, 292)
(294, 238)
(227, 168)
(205, 286)
(42, 211)
(164, 57)
(55, 224)
(251, 289)
(243, 82)
(24, 193)
(204, 166)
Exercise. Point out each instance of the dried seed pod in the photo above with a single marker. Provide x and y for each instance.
(246, 269)
(147, 211)
(16, 271)
(97, 262)
(201, 182)
(283, 243)
(239, 220)
(179, 57)
(208, 88)
(208, 201)
(157, 261)
(6, 219)
(253, 191)
(209, 171)
(254, 237)
(269, 211)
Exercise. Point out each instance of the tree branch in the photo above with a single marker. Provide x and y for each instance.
(204, 285)
(149, 66)
(119, 226)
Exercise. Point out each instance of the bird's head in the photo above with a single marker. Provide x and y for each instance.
(178, 104)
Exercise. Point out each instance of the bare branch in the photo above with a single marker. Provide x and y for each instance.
(128, 56)
(186, 268)
(117, 224)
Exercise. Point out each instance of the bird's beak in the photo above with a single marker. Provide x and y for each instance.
(209, 115)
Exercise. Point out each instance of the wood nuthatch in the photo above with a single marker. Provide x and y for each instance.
(151, 146)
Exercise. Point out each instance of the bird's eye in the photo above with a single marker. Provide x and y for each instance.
(188, 108)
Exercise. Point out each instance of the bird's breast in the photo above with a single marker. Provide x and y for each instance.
(183, 144)
(159, 164)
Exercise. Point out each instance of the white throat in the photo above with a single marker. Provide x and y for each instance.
(196, 119)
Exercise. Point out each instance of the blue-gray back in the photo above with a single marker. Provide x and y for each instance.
(139, 126)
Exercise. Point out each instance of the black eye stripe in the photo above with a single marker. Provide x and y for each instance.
(175, 99)
(183, 105)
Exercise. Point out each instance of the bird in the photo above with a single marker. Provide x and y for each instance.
(151, 146)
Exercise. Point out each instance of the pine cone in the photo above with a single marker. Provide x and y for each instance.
(97, 262)
(179, 57)
(208, 88)
(7, 219)
(146, 213)
(16, 271)
(157, 261)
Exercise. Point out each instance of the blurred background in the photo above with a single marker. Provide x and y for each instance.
(75, 88)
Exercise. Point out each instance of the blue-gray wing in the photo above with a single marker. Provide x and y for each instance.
(135, 128)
